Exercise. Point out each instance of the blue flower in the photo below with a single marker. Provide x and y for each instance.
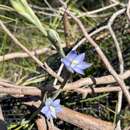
(51, 108)
(74, 62)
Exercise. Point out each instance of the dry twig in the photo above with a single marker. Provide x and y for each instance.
(99, 80)
(121, 61)
(29, 90)
(43, 65)
(25, 55)
(128, 9)
(103, 57)
(41, 124)
(81, 120)
(33, 91)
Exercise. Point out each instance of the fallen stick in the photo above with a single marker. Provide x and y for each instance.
(98, 90)
(15, 55)
(41, 124)
(102, 56)
(42, 65)
(99, 80)
(84, 121)
(12, 89)
(80, 120)
(34, 91)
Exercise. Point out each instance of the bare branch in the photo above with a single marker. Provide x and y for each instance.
(13, 89)
(41, 124)
(47, 68)
(128, 10)
(99, 80)
(75, 47)
(121, 61)
(81, 120)
(98, 90)
(103, 57)
(25, 55)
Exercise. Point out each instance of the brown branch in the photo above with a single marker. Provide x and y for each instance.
(81, 120)
(98, 90)
(121, 61)
(25, 55)
(68, 115)
(128, 9)
(103, 57)
(11, 89)
(84, 121)
(100, 80)
(34, 91)
(43, 65)
(41, 124)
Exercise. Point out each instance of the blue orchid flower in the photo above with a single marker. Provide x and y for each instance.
(51, 108)
(74, 62)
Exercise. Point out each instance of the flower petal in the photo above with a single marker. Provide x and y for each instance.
(58, 109)
(51, 108)
(66, 62)
(48, 102)
(45, 109)
(83, 65)
(80, 57)
(48, 115)
(78, 70)
(53, 111)
(53, 114)
(71, 55)
(56, 103)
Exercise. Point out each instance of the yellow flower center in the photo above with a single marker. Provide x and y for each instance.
(74, 62)
(52, 109)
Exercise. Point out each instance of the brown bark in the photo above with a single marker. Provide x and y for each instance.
(41, 124)
(80, 120)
